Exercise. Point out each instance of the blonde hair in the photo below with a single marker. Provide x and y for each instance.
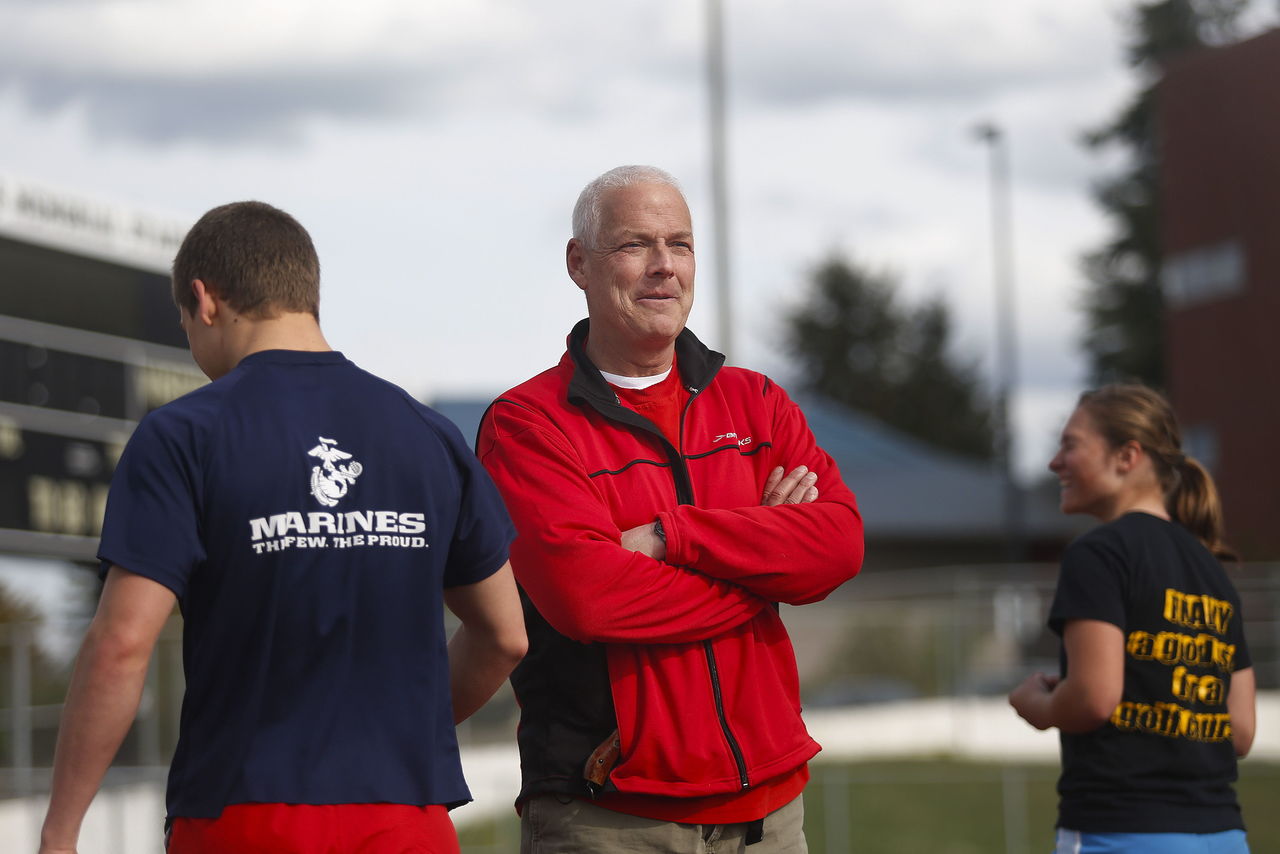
(1132, 412)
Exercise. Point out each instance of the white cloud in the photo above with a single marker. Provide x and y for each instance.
(174, 69)
(194, 39)
(435, 149)
(798, 52)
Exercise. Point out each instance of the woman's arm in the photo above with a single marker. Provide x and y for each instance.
(1088, 695)
(1242, 704)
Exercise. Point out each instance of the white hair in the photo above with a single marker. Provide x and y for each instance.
(586, 213)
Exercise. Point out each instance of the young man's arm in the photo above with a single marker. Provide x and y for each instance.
(102, 698)
(489, 643)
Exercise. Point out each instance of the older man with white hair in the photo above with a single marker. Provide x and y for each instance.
(665, 504)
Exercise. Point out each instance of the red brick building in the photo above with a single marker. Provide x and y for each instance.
(1219, 114)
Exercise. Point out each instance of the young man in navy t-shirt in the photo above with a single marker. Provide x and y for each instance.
(311, 521)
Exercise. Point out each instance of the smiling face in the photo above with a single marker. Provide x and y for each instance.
(637, 275)
(1090, 472)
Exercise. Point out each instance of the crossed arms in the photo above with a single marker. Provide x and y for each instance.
(794, 487)
(596, 580)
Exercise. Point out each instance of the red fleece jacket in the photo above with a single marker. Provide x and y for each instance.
(701, 672)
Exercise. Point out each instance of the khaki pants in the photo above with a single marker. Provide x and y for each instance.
(551, 826)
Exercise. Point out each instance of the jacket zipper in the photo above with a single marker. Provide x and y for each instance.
(684, 495)
(744, 781)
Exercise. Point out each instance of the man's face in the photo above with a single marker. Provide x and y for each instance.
(638, 277)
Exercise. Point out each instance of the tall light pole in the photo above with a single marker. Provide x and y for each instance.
(1006, 363)
(719, 180)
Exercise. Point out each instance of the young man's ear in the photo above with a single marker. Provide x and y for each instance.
(206, 307)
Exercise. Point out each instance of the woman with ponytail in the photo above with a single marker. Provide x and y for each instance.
(1155, 699)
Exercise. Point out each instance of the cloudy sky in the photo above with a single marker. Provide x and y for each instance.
(435, 149)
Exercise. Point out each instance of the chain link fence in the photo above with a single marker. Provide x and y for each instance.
(901, 637)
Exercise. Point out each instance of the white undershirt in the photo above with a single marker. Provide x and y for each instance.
(634, 382)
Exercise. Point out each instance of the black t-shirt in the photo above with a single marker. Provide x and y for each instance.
(1164, 762)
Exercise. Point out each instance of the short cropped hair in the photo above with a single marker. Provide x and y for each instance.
(256, 257)
(586, 213)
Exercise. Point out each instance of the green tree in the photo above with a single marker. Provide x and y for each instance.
(1124, 307)
(47, 685)
(854, 343)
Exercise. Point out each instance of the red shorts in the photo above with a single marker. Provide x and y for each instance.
(317, 829)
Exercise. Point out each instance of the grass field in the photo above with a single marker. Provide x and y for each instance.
(941, 807)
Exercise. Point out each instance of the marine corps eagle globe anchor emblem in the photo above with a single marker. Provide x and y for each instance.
(330, 480)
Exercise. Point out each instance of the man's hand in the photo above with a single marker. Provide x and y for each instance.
(644, 539)
(796, 488)
(1031, 699)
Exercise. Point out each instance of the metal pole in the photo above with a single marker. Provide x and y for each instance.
(836, 807)
(1006, 367)
(1013, 784)
(20, 635)
(719, 180)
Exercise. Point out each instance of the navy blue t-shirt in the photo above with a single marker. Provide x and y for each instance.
(308, 516)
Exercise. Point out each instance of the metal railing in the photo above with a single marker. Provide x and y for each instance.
(911, 634)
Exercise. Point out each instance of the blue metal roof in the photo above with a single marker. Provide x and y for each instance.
(905, 487)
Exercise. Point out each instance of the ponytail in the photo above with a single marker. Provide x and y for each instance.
(1131, 412)
(1194, 503)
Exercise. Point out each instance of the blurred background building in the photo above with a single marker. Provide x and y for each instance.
(1219, 119)
(89, 343)
(921, 506)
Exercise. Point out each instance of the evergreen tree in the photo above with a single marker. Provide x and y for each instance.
(855, 344)
(1123, 303)
(47, 679)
